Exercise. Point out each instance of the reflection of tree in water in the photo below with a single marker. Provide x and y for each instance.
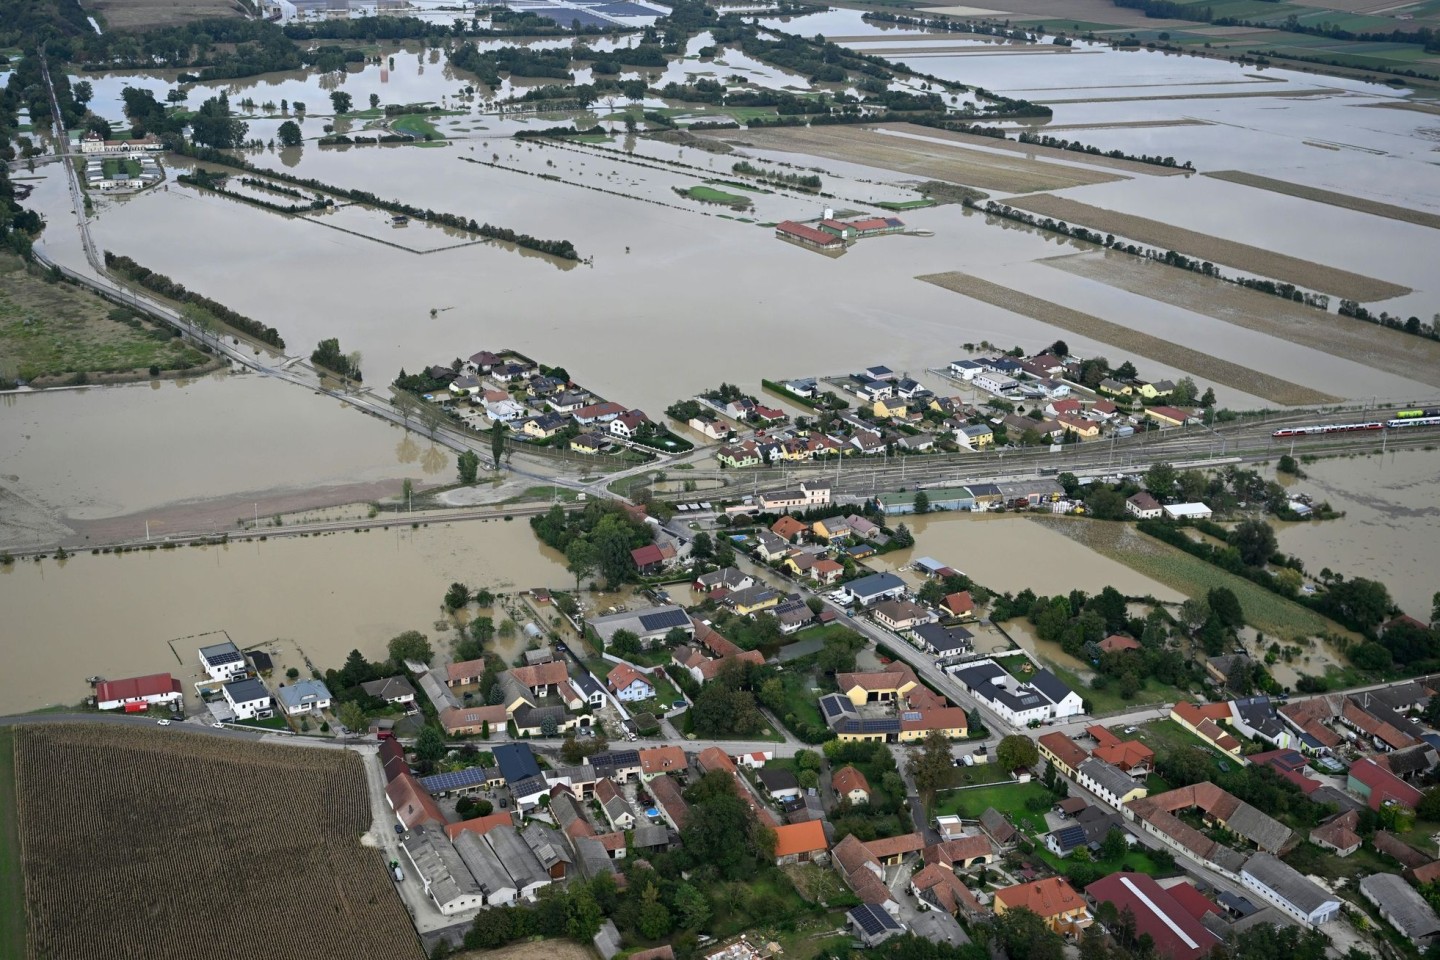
(434, 460)
(331, 81)
(407, 450)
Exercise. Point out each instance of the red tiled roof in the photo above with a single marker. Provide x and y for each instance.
(847, 778)
(805, 232)
(896, 846)
(959, 603)
(542, 675)
(1175, 932)
(1192, 901)
(667, 793)
(480, 825)
(796, 838)
(623, 675)
(647, 555)
(134, 687)
(661, 759)
(456, 672)
(462, 718)
(1383, 785)
(870, 223)
(1070, 753)
(1119, 642)
(412, 805)
(1045, 898)
(713, 758)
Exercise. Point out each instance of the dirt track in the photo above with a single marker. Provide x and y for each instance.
(1401, 354)
(1255, 261)
(933, 161)
(1029, 149)
(1203, 365)
(1387, 210)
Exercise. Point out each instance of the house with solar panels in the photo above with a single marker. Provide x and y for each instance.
(650, 624)
(222, 661)
(1043, 697)
(872, 925)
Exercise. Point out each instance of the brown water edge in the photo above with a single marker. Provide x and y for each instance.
(1431, 108)
(1344, 200)
(138, 613)
(1288, 95)
(1391, 351)
(1035, 150)
(1128, 124)
(937, 161)
(1132, 341)
(1265, 263)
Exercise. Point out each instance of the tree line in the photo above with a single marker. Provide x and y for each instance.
(163, 285)
(559, 248)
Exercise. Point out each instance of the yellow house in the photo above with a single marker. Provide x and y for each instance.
(586, 443)
(1167, 415)
(831, 528)
(896, 408)
(1147, 390)
(752, 600)
(950, 721)
(882, 685)
(1085, 429)
(1116, 388)
(542, 428)
(1052, 900)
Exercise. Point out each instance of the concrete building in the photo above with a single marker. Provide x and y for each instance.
(1402, 907)
(1043, 697)
(448, 882)
(139, 693)
(249, 699)
(1289, 890)
(222, 661)
(489, 873)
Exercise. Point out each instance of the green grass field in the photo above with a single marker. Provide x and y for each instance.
(416, 125)
(1167, 736)
(1008, 798)
(51, 329)
(905, 204)
(12, 882)
(1109, 699)
(711, 195)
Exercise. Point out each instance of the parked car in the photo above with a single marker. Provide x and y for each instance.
(399, 828)
(163, 722)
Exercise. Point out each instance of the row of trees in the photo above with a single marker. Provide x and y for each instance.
(605, 532)
(163, 285)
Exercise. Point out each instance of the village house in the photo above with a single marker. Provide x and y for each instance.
(628, 684)
(139, 693)
(1143, 506)
(1288, 889)
(850, 784)
(248, 699)
(1042, 697)
(959, 605)
(303, 696)
(800, 842)
(1053, 900)
(222, 661)
(900, 615)
(390, 689)
(1176, 932)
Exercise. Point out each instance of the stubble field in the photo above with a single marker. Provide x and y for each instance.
(1413, 357)
(140, 14)
(166, 845)
(1344, 200)
(1256, 261)
(934, 161)
(1051, 153)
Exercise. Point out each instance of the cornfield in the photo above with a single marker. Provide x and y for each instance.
(158, 844)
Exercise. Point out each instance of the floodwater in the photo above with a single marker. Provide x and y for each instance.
(132, 614)
(1007, 553)
(639, 235)
(1391, 528)
(106, 452)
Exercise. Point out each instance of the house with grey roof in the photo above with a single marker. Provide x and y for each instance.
(1297, 897)
(448, 882)
(1042, 697)
(650, 624)
(489, 873)
(1402, 907)
(593, 858)
(222, 661)
(1109, 782)
(303, 696)
(549, 848)
(650, 836)
(390, 689)
(248, 699)
(519, 860)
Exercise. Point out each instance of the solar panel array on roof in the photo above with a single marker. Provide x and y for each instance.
(910, 716)
(616, 758)
(664, 619)
(872, 919)
(217, 655)
(455, 779)
(835, 706)
(1070, 837)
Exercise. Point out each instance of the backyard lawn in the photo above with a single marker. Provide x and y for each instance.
(1167, 736)
(1109, 700)
(1008, 798)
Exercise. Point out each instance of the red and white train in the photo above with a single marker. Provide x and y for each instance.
(1357, 427)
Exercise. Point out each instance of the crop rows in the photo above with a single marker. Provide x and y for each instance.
(158, 844)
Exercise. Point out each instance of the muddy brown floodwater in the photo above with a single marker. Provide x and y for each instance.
(1007, 553)
(126, 615)
(1391, 528)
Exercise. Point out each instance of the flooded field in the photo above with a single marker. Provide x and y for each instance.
(86, 457)
(1391, 528)
(1009, 553)
(321, 596)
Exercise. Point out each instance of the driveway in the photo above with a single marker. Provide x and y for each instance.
(934, 925)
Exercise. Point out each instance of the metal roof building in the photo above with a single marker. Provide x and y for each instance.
(1405, 909)
(448, 882)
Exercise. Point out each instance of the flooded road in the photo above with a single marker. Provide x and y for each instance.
(117, 615)
(1391, 528)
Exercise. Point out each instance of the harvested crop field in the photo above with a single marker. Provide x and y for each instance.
(533, 950)
(1239, 94)
(1030, 149)
(140, 842)
(1417, 106)
(1131, 341)
(1387, 210)
(1401, 354)
(1239, 256)
(928, 159)
(1124, 124)
(138, 14)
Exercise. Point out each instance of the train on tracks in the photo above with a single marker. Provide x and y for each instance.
(1403, 419)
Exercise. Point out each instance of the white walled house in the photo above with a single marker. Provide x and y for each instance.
(304, 696)
(135, 693)
(1282, 885)
(628, 684)
(249, 699)
(222, 661)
